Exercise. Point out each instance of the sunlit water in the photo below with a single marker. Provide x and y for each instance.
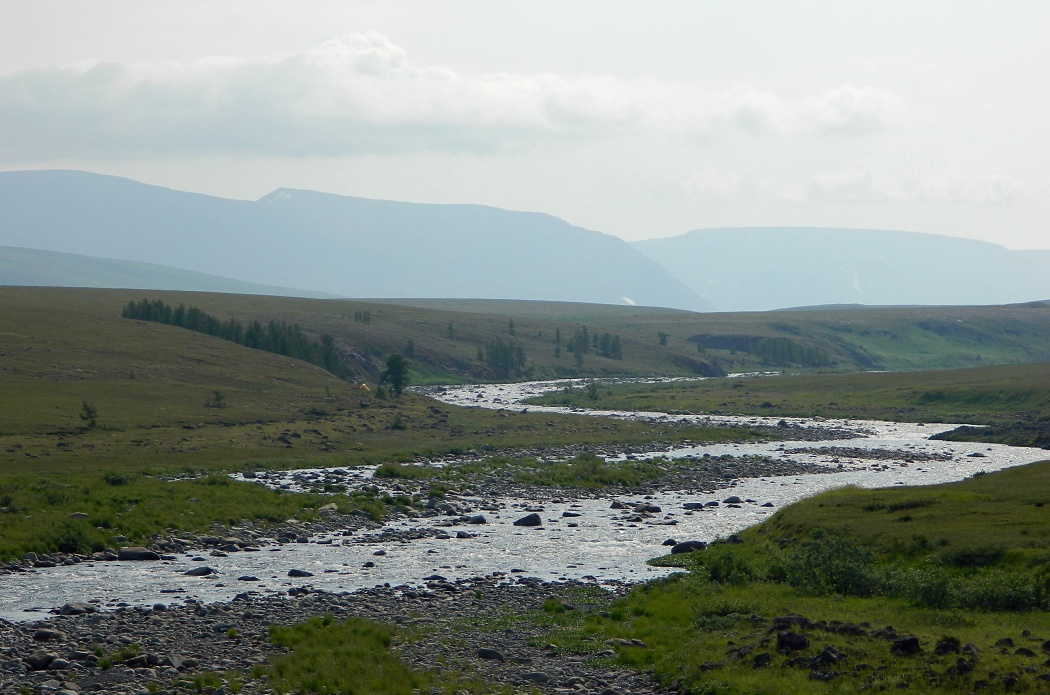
(598, 545)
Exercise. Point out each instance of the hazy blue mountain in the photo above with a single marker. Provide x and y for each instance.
(339, 245)
(33, 268)
(759, 268)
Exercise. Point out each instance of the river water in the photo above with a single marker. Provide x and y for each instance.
(594, 542)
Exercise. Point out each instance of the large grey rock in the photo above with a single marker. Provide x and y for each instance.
(136, 553)
(688, 547)
(46, 634)
(76, 608)
(529, 520)
(40, 660)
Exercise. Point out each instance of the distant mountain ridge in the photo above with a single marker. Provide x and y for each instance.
(36, 268)
(763, 268)
(333, 244)
(306, 243)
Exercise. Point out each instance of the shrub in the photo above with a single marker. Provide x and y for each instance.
(827, 564)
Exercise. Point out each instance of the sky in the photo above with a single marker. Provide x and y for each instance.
(636, 119)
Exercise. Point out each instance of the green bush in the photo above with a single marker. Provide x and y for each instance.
(826, 564)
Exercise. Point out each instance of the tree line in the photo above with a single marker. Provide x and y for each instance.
(275, 336)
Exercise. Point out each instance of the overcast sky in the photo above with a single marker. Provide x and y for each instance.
(640, 119)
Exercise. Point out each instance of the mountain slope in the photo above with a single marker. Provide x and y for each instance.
(327, 243)
(746, 269)
(36, 268)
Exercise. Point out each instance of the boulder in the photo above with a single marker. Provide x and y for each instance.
(788, 641)
(46, 634)
(299, 573)
(906, 646)
(529, 520)
(39, 661)
(202, 571)
(137, 553)
(688, 547)
(76, 608)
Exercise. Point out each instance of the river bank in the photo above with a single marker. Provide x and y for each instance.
(449, 623)
(585, 538)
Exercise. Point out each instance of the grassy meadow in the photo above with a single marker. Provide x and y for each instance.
(133, 424)
(963, 567)
(983, 395)
(169, 407)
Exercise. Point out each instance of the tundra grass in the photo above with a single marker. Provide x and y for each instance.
(584, 471)
(981, 395)
(87, 394)
(358, 656)
(87, 512)
(854, 570)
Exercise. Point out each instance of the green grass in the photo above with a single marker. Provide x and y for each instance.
(585, 471)
(35, 511)
(355, 657)
(980, 395)
(153, 389)
(971, 565)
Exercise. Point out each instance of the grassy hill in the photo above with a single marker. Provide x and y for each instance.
(848, 338)
(164, 407)
(860, 589)
(982, 395)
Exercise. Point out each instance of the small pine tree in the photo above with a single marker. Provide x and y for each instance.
(89, 414)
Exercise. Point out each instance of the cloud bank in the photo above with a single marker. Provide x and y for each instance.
(361, 94)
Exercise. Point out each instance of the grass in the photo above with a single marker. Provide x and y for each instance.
(150, 390)
(971, 566)
(355, 656)
(585, 471)
(980, 395)
(86, 512)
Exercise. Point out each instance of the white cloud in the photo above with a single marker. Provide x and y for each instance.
(713, 185)
(362, 94)
(867, 186)
(845, 110)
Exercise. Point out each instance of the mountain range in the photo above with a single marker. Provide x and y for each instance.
(74, 228)
(339, 245)
(761, 268)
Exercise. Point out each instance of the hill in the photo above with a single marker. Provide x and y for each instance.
(777, 267)
(36, 268)
(333, 244)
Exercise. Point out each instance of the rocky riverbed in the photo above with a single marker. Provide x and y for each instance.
(167, 647)
(435, 566)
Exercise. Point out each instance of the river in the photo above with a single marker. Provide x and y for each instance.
(594, 542)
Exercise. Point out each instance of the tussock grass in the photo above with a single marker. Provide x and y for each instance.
(151, 389)
(356, 657)
(972, 567)
(980, 395)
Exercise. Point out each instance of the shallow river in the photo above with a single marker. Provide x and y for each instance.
(595, 542)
